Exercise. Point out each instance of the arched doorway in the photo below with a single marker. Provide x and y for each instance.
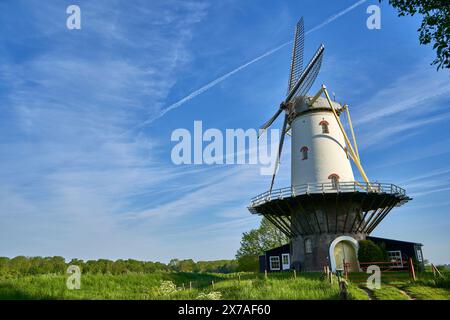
(344, 249)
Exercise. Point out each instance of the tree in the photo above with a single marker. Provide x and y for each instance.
(161, 266)
(186, 265)
(249, 263)
(20, 265)
(149, 267)
(370, 252)
(119, 267)
(255, 242)
(435, 27)
(174, 264)
(134, 266)
(4, 265)
(77, 262)
(57, 264)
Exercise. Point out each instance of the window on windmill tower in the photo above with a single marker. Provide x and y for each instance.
(304, 152)
(308, 245)
(324, 124)
(334, 181)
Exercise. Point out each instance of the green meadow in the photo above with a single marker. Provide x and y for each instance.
(204, 286)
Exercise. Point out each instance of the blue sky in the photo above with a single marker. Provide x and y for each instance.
(85, 153)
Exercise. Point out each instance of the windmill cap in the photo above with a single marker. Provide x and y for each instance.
(303, 104)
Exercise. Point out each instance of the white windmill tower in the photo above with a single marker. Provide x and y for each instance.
(324, 211)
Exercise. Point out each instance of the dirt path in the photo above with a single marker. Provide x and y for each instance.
(369, 293)
(410, 297)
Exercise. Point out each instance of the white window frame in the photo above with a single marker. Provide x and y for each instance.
(286, 266)
(419, 255)
(308, 246)
(334, 182)
(397, 255)
(305, 152)
(273, 259)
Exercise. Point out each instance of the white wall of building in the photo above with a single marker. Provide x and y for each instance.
(326, 151)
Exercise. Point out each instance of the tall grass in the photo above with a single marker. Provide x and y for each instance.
(435, 281)
(189, 286)
(147, 286)
(308, 286)
(130, 286)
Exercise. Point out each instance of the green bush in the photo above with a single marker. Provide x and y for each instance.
(370, 252)
(248, 263)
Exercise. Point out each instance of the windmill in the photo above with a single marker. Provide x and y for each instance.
(300, 81)
(325, 211)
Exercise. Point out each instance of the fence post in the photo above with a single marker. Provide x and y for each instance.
(329, 274)
(212, 284)
(343, 292)
(411, 269)
(239, 277)
(345, 270)
(183, 285)
(265, 274)
(190, 285)
(295, 274)
(436, 271)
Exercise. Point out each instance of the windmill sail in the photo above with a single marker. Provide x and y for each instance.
(308, 75)
(297, 55)
(271, 120)
(300, 81)
(312, 75)
(280, 149)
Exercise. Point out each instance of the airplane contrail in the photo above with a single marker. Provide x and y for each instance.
(335, 16)
(229, 74)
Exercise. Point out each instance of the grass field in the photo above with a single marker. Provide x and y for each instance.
(165, 285)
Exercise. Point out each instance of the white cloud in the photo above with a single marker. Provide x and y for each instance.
(409, 104)
(68, 172)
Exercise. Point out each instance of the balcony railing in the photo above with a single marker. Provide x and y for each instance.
(329, 187)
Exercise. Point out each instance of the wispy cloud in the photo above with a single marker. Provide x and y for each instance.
(67, 172)
(410, 103)
(430, 174)
(431, 150)
(215, 82)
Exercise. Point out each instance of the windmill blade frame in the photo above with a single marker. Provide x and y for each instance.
(297, 55)
(310, 78)
(311, 68)
(268, 123)
(280, 149)
(272, 119)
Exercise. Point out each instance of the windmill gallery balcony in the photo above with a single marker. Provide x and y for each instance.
(329, 207)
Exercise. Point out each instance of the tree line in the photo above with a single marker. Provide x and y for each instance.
(22, 265)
